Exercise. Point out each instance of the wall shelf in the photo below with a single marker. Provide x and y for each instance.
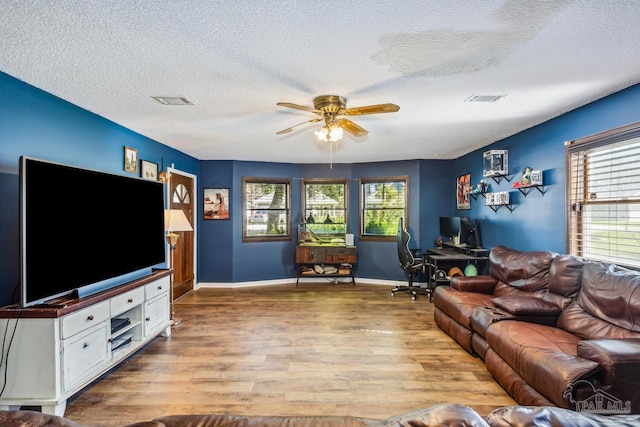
(498, 178)
(475, 195)
(526, 189)
(496, 207)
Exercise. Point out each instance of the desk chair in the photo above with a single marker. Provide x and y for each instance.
(410, 262)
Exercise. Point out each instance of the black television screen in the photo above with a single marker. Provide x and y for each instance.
(450, 226)
(79, 227)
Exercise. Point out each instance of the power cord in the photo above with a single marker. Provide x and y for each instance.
(4, 357)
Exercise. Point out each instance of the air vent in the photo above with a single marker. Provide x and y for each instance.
(172, 100)
(483, 98)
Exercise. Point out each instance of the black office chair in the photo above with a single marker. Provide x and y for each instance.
(410, 262)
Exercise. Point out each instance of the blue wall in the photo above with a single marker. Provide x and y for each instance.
(35, 123)
(237, 261)
(539, 222)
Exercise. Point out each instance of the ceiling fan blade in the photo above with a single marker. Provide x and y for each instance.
(372, 109)
(299, 124)
(351, 127)
(299, 107)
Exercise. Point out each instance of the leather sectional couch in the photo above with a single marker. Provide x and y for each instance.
(552, 329)
(437, 415)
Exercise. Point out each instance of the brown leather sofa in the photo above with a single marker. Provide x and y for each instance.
(437, 415)
(553, 330)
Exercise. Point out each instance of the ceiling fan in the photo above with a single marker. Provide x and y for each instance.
(331, 108)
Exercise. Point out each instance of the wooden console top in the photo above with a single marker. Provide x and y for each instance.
(43, 312)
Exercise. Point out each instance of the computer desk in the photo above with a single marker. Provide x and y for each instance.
(452, 256)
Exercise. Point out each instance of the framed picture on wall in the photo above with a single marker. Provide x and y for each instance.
(148, 170)
(216, 203)
(463, 186)
(130, 159)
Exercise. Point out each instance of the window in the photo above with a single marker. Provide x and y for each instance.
(267, 209)
(383, 203)
(324, 206)
(603, 187)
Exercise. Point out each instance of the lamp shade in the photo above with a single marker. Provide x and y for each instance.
(175, 220)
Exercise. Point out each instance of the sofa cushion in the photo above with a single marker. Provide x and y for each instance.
(565, 275)
(220, 420)
(544, 356)
(459, 305)
(576, 320)
(447, 414)
(527, 271)
(526, 306)
(480, 284)
(611, 293)
(549, 416)
(26, 418)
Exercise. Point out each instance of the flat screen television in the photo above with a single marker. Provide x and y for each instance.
(450, 227)
(80, 228)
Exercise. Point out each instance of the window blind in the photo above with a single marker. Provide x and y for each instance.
(603, 203)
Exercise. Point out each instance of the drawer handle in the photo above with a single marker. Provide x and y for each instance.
(90, 317)
(147, 318)
(110, 340)
(130, 300)
(85, 345)
(159, 287)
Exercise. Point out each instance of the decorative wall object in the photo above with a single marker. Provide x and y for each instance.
(536, 177)
(130, 159)
(148, 170)
(216, 203)
(495, 163)
(463, 187)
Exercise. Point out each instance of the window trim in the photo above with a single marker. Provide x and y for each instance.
(574, 226)
(325, 181)
(405, 213)
(276, 237)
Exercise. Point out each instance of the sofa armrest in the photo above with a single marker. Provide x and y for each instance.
(478, 284)
(619, 358)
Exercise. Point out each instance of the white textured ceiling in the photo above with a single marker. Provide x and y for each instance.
(236, 59)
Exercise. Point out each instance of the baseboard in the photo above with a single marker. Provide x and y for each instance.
(292, 280)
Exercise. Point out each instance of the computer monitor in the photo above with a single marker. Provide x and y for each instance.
(450, 228)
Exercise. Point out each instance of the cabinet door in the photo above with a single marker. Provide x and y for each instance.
(83, 354)
(156, 312)
(310, 255)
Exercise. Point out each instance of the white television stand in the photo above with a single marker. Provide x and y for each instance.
(51, 353)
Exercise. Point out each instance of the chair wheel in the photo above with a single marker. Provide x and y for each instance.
(413, 297)
(393, 294)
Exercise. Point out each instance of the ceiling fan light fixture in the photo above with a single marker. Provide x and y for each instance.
(335, 133)
(322, 133)
(330, 133)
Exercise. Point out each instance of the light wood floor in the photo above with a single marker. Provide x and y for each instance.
(315, 349)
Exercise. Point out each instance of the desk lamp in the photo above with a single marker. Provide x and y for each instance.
(174, 220)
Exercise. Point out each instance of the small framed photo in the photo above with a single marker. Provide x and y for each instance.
(130, 159)
(148, 170)
(216, 203)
